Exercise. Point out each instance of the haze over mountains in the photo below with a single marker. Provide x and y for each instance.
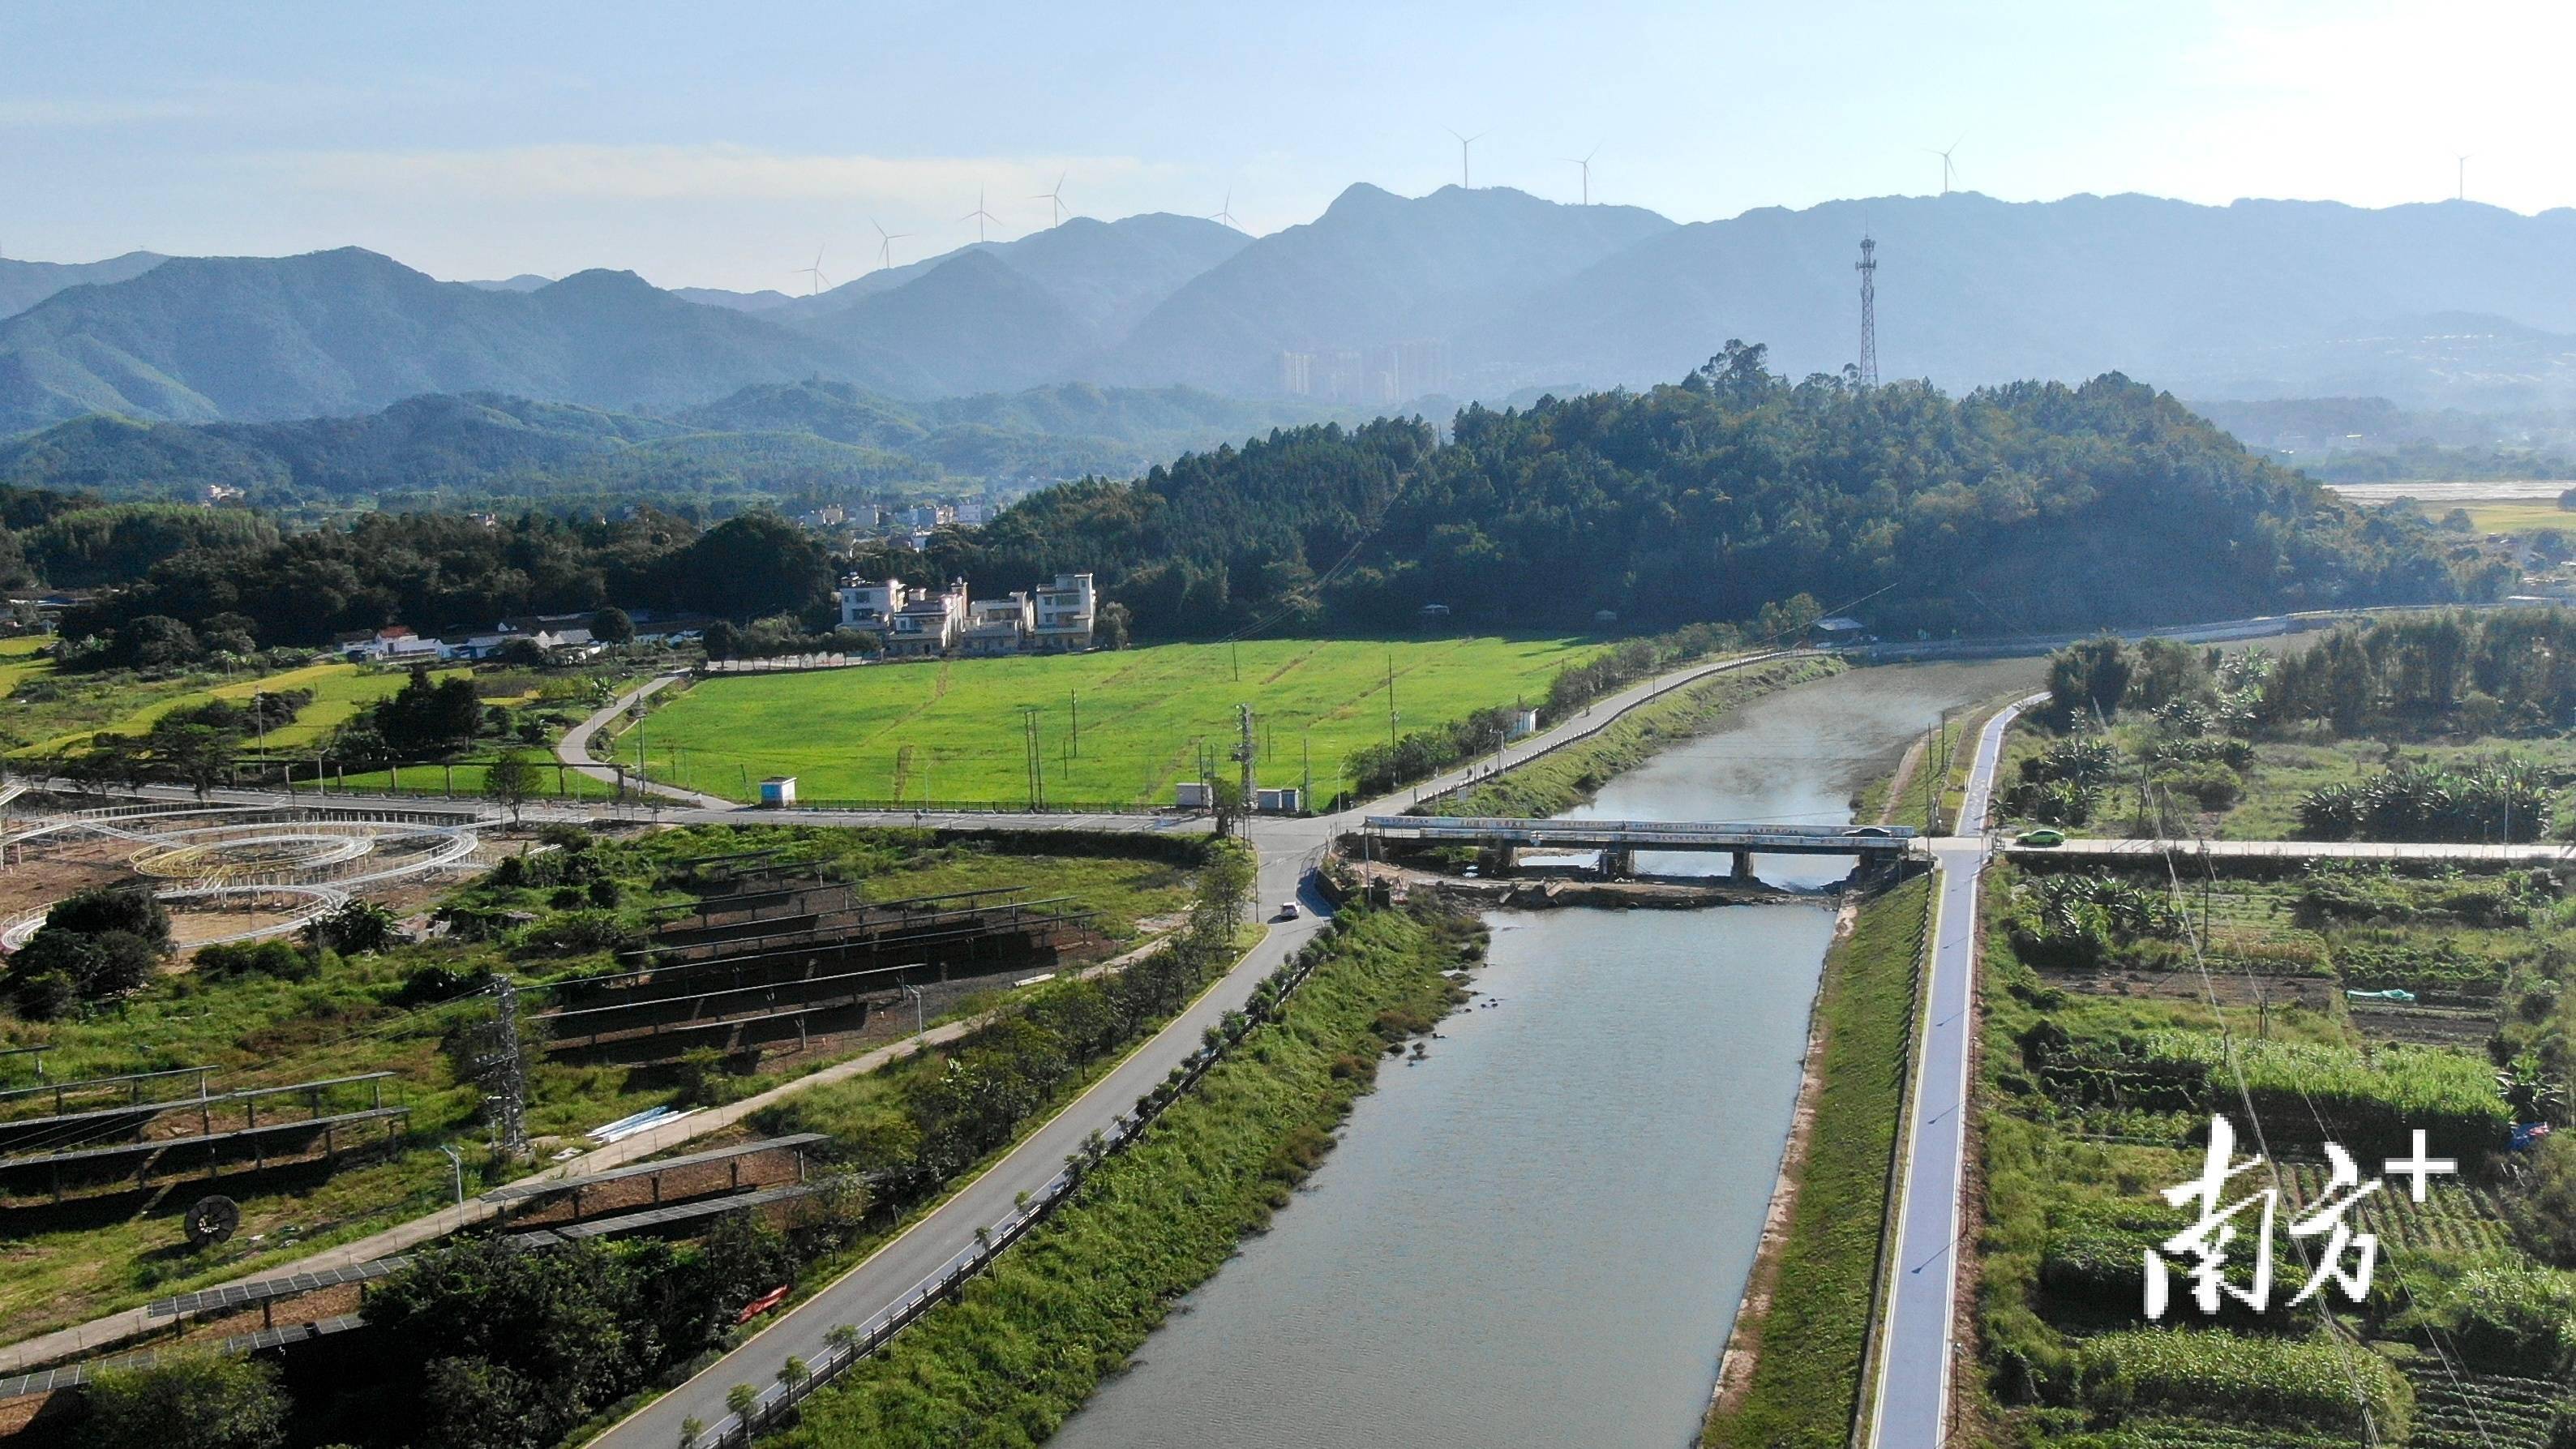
(1493, 292)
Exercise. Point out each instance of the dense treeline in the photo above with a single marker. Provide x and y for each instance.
(442, 572)
(2034, 505)
(2513, 669)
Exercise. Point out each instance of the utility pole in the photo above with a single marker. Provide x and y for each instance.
(1235, 650)
(1245, 753)
(1390, 701)
(1306, 781)
(1036, 756)
(507, 1066)
(1867, 266)
(1073, 702)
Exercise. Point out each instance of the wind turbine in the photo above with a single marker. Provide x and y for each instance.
(1224, 215)
(1584, 161)
(815, 271)
(2464, 175)
(1946, 168)
(1055, 198)
(1463, 143)
(885, 243)
(979, 215)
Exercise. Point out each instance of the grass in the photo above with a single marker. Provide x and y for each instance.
(260, 1031)
(952, 730)
(2519, 515)
(1026, 1343)
(1563, 778)
(1807, 1375)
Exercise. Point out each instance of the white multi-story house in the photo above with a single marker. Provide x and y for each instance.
(928, 623)
(998, 626)
(1066, 612)
(1056, 618)
(869, 603)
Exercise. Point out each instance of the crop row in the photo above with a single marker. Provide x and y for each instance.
(2453, 1217)
(2478, 1411)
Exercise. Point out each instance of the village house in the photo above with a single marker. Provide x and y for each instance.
(1057, 618)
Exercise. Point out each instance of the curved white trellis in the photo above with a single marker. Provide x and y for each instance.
(311, 855)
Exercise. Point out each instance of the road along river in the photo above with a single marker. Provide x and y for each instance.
(1539, 1234)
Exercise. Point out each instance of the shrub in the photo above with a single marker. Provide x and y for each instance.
(2211, 785)
(109, 908)
(2501, 1313)
(185, 1399)
(225, 961)
(2368, 1103)
(2237, 1378)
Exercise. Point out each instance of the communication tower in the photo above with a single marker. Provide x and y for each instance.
(1867, 266)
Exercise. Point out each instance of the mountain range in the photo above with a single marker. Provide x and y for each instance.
(1381, 300)
(809, 438)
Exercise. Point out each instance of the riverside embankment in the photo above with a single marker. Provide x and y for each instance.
(1540, 1233)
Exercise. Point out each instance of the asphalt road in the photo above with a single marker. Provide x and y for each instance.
(1920, 1344)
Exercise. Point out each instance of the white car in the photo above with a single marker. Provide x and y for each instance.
(1287, 910)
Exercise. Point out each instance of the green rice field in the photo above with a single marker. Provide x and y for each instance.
(954, 730)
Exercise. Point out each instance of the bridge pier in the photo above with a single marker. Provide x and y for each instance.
(1618, 863)
(1742, 866)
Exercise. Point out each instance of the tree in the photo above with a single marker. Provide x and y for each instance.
(512, 1343)
(355, 928)
(1225, 799)
(753, 565)
(200, 754)
(511, 781)
(742, 1398)
(722, 639)
(110, 908)
(155, 641)
(429, 717)
(1111, 627)
(612, 625)
(185, 1399)
(2088, 680)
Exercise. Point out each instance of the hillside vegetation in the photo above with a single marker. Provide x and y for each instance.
(2033, 506)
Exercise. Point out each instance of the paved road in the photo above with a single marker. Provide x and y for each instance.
(2544, 853)
(1289, 849)
(1919, 1343)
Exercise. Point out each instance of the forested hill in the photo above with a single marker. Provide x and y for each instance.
(2030, 507)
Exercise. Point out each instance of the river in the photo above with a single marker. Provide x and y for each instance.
(1539, 1234)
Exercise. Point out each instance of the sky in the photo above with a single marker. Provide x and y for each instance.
(725, 145)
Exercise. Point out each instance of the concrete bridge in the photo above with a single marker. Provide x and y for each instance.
(1620, 840)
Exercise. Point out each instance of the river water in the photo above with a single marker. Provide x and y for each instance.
(1538, 1236)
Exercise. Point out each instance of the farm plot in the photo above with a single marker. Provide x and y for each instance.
(1104, 727)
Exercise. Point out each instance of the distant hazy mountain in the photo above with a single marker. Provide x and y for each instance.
(805, 438)
(2257, 299)
(1374, 269)
(1007, 315)
(523, 282)
(1108, 273)
(24, 284)
(1487, 294)
(348, 331)
(737, 301)
(974, 323)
